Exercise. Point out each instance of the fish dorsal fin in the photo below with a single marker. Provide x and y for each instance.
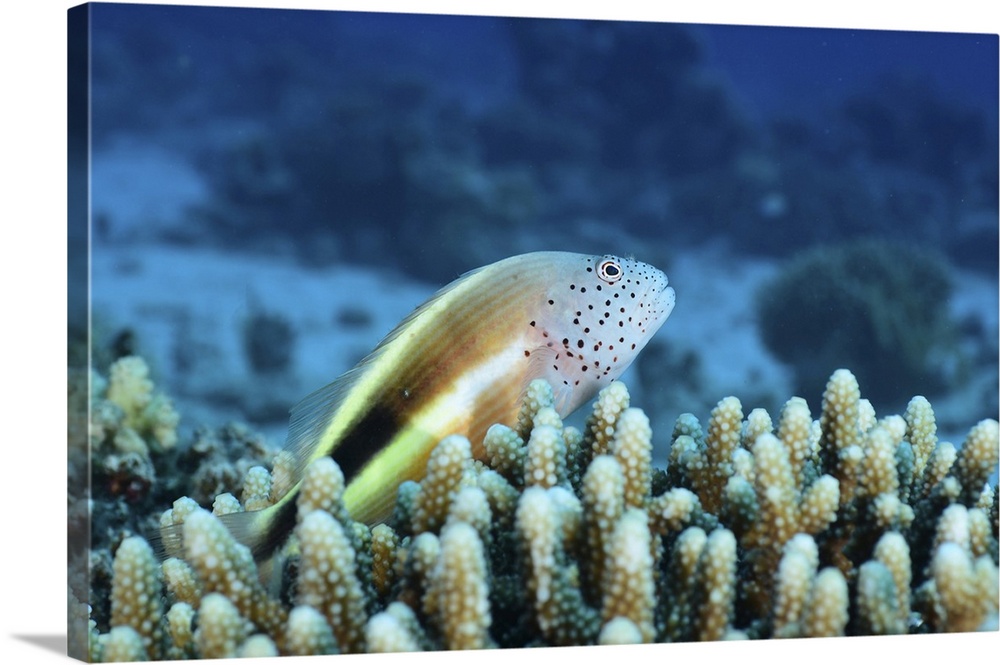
(418, 311)
(311, 418)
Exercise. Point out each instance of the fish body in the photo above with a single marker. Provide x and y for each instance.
(461, 362)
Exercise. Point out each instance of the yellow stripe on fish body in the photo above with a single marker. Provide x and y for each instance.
(461, 362)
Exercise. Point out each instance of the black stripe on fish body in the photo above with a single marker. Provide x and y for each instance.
(367, 437)
(269, 540)
(373, 431)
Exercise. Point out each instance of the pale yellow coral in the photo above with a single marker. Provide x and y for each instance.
(384, 546)
(878, 473)
(559, 610)
(619, 631)
(130, 387)
(977, 459)
(690, 544)
(463, 589)
(794, 428)
(448, 469)
(180, 627)
(545, 463)
(718, 573)
(953, 527)
(538, 524)
(322, 488)
(672, 510)
(122, 645)
(840, 428)
(826, 613)
(866, 415)
(328, 578)
(308, 633)
(722, 439)
(847, 472)
(603, 559)
(980, 532)
(424, 552)
(794, 580)
(537, 395)
(501, 495)
(181, 581)
(226, 504)
(283, 474)
(384, 633)
(181, 509)
(739, 506)
(600, 427)
(687, 460)
(570, 511)
(161, 421)
(257, 488)
(603, 503)
(505, 451)
(628, 578)
(472, 507)
(776, 494)
(938, 466)
(877, 600)
(921, 431)
(684, 558)
(632, 446)
(757, 422)
(227, 567)
(574, 448)
(135, 593)
(895, 426)
(955, 582)
(893, 551)
(257, 646)
(743, 465)
(819, 505)
(221, 629)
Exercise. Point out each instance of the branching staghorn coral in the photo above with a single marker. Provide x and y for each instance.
(462, 588)
(146, 414)
(135, 594)
(847, 524)
(628, 590)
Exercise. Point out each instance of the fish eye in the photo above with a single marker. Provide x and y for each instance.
(609, 270)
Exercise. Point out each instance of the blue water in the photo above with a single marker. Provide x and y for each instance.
(434, 144)
(779, 70)
(653, 127)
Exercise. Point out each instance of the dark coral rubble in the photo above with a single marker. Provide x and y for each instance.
(792, 526)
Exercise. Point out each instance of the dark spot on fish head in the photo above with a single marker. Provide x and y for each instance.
(639, 293)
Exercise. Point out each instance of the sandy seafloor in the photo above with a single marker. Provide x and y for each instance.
(188, 304)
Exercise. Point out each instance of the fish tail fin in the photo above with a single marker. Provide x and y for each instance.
(261, 531)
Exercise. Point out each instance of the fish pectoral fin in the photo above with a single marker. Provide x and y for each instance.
(562, 399)
(543, 363)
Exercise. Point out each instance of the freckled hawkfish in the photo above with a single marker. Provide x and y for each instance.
(461, 362)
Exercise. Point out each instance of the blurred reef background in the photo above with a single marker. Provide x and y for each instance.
(272, 191)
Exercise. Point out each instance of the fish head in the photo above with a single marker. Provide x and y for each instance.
(598, 314)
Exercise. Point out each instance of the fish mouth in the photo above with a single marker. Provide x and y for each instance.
(668, 297)
(665, 294)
